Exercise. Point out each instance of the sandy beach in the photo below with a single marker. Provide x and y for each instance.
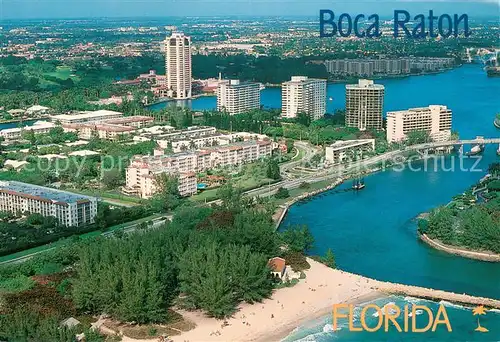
(276, 317)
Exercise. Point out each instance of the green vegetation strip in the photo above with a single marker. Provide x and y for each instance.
(66, 241)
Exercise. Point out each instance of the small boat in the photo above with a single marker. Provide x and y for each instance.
(358, 184)
(498, 150)
(330, 99)
(475, 150)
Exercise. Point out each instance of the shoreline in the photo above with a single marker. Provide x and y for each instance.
(287, 309)
(465, 253)
(284, 208)
(284, 332)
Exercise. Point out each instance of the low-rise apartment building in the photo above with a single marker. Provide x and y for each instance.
(435, 120)
(348, 150)
(145, 186)
(185, 163)
(88, 116)
(109, 129)
(70, 209)
(38, 127)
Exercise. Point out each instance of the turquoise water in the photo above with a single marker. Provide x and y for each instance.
(373, 232)
(461, 320)
(17, 124)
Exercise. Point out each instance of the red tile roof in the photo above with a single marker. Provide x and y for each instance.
(277, 264)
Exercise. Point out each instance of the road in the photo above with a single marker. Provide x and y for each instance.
(156, 222)
(333, 172)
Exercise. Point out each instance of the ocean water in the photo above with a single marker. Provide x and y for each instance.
(462, 321)
(373, 232)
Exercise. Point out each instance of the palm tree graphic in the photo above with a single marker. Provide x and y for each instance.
(479, 310)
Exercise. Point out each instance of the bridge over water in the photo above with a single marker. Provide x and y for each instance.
(434, 145)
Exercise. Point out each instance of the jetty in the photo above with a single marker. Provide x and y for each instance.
(437, 295)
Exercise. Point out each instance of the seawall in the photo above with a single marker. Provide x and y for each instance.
(490, 257)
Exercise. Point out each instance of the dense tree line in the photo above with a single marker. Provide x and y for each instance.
(21, 233)
(272, 69)
(209, 258)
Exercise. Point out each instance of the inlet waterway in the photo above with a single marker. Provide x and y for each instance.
(373, 232)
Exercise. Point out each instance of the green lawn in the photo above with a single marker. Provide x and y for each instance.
(252, 176)
(110, 195)
(63, 73)
(298, 191)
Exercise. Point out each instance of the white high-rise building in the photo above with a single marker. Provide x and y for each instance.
(364, 104)
(178, 65)
(303, 95)
(435, 120)
(235, 97)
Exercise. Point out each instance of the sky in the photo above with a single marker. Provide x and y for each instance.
(23, 9)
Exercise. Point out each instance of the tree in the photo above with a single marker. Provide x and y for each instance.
(303, 119)
(273, 169)
(298, 238)
(282, 193)
(417, 137)
(215, 278)
(329, 259)
(111, 179)
(230, 196)
(167, 195)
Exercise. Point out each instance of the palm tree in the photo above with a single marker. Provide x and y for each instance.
(479, 310)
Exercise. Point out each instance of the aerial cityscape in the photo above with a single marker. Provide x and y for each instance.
(225, 172)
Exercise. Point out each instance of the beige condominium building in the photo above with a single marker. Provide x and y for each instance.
(235, 97)
(178, 65)
(364, 104)
(303, 95)
(434, 119)
(70, 209)
(142, 169)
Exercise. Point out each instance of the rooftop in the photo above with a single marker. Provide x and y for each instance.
(341, 144)
(277, 264)
(42, 192)
(86, 115)
(365, 84)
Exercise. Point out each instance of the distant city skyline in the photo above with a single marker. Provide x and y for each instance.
(41, 9)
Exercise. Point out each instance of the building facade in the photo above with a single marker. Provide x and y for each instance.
(108, 129)
(234, 97)
(70, 209)
(364, 105)
(348, 150)
(142, 169)
(85, 117)
(435, 120)
(400, 66)
(178, 65)
(38, 127)
(304, 95)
